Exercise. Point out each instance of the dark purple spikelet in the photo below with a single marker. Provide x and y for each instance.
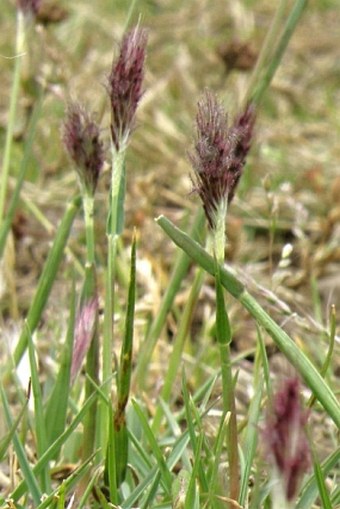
(285, 437)
(29, 7)
(219, 153)
(243, 128)
(125, 85)
(81, 136)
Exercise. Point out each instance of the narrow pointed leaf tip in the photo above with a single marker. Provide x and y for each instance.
(219, 153)
(125, 85)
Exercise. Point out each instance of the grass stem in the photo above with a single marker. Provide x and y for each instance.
(223, 332)
(265, 77)
(124, 377)
(113, 226)
(19, 49)
(92, 358)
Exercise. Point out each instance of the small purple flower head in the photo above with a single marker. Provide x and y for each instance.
(285, 437)
(219, 154)
(243, 128)
(83, 334)
(81, 136)
(125, 85)
(29, 7)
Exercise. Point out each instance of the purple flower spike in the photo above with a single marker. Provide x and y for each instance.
(83, 334)
(243, 128)
(286, 439)
(219, 154)
(125, 85)
(81, 136)
(29, 7)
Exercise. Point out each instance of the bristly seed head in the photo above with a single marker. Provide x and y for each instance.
(285, 437)
(29, 7)
(243, 129)
(81, 136)
(219, 153)
(125, 85)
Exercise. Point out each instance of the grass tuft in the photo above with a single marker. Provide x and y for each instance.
(151, 371)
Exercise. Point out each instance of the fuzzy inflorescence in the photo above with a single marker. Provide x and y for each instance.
(219, 153)
(81, 136)
(125, 85)
(285, 436)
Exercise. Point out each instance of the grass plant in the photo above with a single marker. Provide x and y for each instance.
(138, 391)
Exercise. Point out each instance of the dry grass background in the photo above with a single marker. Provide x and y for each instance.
(284, 225)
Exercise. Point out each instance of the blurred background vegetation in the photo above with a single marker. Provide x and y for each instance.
(284, 224)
